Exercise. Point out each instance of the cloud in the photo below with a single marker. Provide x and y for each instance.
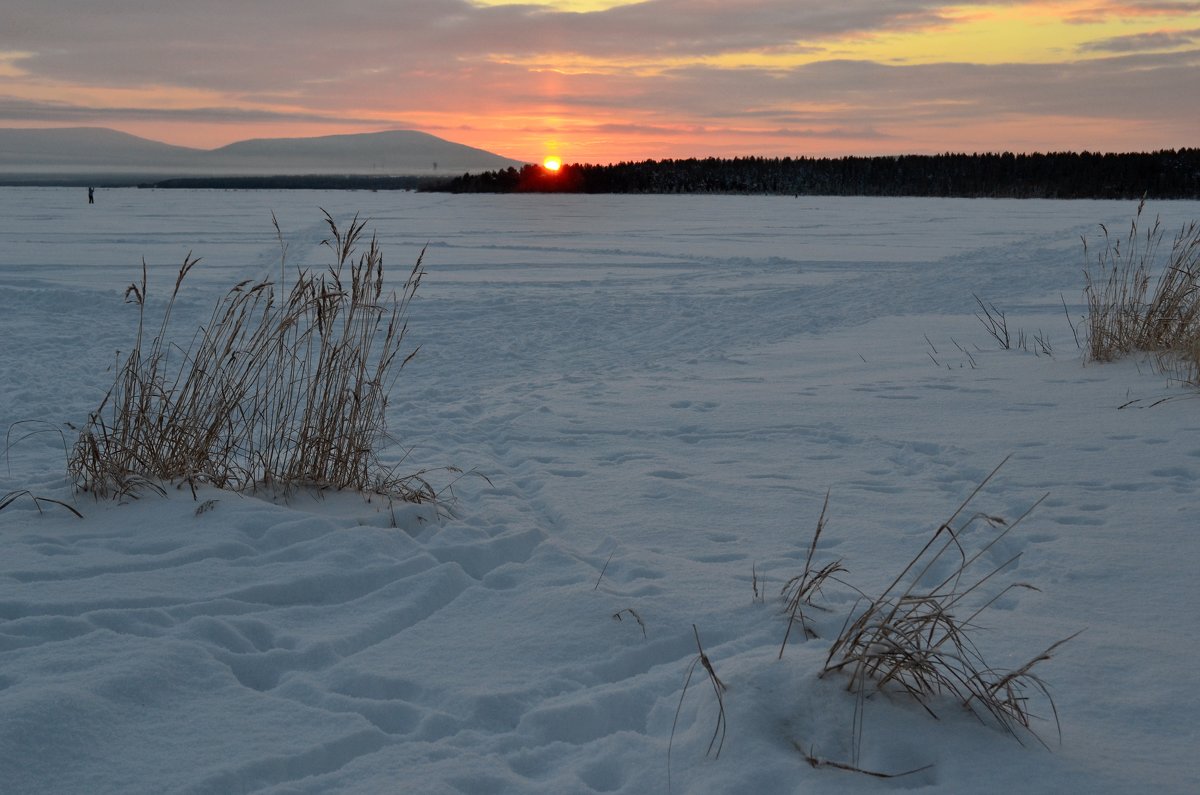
(513, 76)
(277, 45)
(1144, 42)
(1101, 12)
(884, 99)
(14, 109)
(857, 85)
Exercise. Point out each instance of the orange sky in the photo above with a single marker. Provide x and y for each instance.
(607, 80)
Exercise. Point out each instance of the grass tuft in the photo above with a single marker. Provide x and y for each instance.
(1124, 316)
(280, 388)
(915, 638)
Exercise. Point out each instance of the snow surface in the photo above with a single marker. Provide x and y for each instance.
(660, 391)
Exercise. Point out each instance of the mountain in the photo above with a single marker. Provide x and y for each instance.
(87, 149)
(69, 154)
(394, 152)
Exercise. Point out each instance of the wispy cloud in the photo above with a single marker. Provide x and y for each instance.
(1144, 42)
(14, 109)
(1092, 13)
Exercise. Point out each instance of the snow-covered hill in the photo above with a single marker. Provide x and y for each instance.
(87, 151)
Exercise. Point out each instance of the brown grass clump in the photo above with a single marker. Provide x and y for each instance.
(1124, 316)
(279, 389)
(916, 637)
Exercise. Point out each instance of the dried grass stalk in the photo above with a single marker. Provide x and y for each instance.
(914, 638)
(1124, 316)
(11, 497)
(798, 592)
(279, 389)
(717, 740)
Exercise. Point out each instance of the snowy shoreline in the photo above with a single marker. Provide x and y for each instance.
(660, 391)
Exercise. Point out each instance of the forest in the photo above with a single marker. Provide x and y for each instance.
(1166, 174)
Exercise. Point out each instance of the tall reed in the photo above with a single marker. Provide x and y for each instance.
(915, 638)
(279, 388)
(1124, 316)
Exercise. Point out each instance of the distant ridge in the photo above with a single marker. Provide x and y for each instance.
(91, 154)
(396, 152)
(86, 148)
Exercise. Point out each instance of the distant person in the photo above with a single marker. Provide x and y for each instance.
(91, 195)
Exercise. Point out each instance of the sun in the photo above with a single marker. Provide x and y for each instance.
(552, 163)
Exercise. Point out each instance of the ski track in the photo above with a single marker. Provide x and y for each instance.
(660, 392)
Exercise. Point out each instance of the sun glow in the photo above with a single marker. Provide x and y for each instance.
(552, 163)
(574, 6)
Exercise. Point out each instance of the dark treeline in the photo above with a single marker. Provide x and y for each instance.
(1168, 174)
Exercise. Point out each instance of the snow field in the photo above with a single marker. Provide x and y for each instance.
(660, 391)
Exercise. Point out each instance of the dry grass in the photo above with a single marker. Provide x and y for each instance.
(818, 762)
(635, 615)
(995, 321)
(915, 638)
(1124, 316)
(13, 496)
(799, 591)
(280, 388)
(718, 737)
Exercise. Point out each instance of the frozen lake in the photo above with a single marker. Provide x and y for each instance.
(660, 390)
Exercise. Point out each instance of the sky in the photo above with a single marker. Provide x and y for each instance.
(599, 81)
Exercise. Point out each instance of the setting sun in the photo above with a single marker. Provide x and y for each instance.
(552, 163)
